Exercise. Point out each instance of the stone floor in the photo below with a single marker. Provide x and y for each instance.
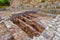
(52, 31)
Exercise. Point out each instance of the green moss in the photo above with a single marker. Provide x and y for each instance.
(3, 6)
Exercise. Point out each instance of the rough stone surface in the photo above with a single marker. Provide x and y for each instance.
(52, 31)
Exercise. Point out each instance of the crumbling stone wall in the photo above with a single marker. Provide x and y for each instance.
(28, 3)
(33, 2)
(17, 3)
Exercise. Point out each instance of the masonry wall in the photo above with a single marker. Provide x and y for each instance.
(27, 3)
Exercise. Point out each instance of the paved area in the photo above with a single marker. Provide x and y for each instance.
(52, 31)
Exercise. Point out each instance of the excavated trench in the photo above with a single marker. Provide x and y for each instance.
(28, 22)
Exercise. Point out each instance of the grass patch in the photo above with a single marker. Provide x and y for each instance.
(4, 2)
(4, 6)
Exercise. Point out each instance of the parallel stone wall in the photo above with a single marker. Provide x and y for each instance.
(29, 4)
(32, 2)
(17, 3)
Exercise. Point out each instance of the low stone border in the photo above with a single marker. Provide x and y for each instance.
(51, 10)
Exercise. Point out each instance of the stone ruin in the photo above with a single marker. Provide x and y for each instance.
(27, 25)
(30, 4)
